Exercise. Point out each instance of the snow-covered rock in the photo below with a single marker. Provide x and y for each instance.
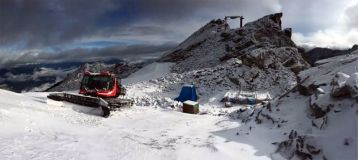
(352, 85)
(339, 89)
(257, 57)
(328, 74)
(210, 81)
(261, 43)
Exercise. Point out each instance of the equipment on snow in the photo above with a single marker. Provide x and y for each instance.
(97, 90)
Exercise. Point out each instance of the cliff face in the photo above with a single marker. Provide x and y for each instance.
(262, 43)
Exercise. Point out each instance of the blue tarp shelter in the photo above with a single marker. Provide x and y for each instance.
(187, 92)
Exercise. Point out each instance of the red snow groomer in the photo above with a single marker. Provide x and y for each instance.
(97, 90)
(102, 84)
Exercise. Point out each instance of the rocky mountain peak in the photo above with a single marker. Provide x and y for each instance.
(261, 43)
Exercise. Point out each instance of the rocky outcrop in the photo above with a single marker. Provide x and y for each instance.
(258, 56)
(297, 147)
(261, 43)
(339, 89)
(345, 85)
(330, 75)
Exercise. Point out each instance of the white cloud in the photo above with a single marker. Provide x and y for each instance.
(341, 33)
(328, 38)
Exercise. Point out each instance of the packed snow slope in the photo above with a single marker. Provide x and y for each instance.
(34, 130)
(148, 72)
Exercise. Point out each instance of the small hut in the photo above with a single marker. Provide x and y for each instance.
(191, 107)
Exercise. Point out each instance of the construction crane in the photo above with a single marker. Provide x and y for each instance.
(234, 17)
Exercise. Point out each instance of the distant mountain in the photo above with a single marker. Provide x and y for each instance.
(121, 70)
(38, 77)
(322, 53)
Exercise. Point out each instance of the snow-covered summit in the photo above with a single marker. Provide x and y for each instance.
(254, 43)
(260, 56)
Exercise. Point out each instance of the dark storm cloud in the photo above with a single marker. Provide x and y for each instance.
(188, 14)
(38, 23)
(168, 11)
(27, 23)
(28, 27)
(80, 54)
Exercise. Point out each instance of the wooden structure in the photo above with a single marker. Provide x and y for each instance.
(191, 107)
(234, 17)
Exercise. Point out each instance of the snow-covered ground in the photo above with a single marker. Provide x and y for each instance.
(32, 129)
(148, 72)
(35, 128)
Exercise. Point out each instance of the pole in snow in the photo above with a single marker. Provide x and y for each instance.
(241, 19)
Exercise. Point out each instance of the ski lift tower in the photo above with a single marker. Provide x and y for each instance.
(234, 17)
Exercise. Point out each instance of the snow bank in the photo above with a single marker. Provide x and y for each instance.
(148, 72)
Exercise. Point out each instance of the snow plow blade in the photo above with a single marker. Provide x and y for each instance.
(105, 104)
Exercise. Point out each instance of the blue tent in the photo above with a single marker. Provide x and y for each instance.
(187, 92)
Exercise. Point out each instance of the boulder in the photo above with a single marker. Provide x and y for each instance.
(352, 85)
(344, 85)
